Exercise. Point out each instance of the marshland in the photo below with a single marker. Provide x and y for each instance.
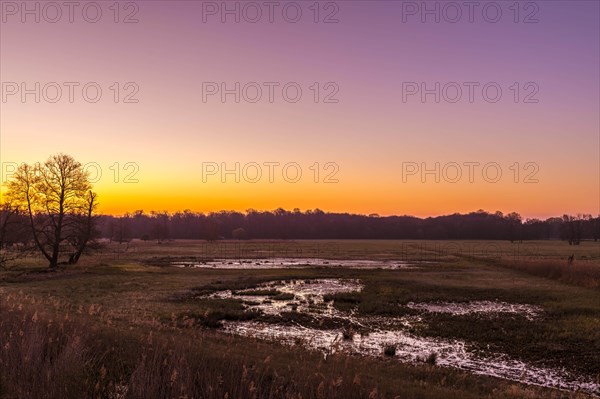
(305, 318)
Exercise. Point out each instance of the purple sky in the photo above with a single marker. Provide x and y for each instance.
(369, 58)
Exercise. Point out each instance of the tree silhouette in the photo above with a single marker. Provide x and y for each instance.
(14, 239)
(316, 224)
(58, 199)
(573, 228)
(514, 226)
(119, 229)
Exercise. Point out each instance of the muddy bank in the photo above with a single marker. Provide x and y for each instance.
(411, 348)
(481, 307)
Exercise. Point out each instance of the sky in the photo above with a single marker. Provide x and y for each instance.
(387, 107)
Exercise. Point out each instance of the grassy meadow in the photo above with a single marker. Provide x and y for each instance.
(124, 323)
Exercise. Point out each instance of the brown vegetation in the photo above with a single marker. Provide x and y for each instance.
(581, 273)
(66, 352)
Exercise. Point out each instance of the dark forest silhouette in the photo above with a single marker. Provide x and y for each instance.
(16, 237)
(316, 224)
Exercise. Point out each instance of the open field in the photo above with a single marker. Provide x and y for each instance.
(129, 323)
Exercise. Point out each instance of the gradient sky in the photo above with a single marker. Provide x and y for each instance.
(368, 134)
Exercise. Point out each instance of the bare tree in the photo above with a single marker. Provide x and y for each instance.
(572, 229)
(160, 226)
(514, 226)
(14, 240)
(119, 229)
(595, 227)
(60, 205)
(84, 229)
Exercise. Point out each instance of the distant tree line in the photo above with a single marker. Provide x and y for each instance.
(80, 229)
(50, 208)
(316, 224)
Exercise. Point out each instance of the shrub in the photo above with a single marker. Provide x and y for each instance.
(389, 350)
(431, 359)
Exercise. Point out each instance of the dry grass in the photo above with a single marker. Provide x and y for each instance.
(65, 352)
(109, 328)
(582, 273)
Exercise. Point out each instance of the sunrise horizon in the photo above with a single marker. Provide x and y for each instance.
(348, 199)
(416, 114)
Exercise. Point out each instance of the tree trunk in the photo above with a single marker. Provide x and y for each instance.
(54, 259)
(87, 233)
